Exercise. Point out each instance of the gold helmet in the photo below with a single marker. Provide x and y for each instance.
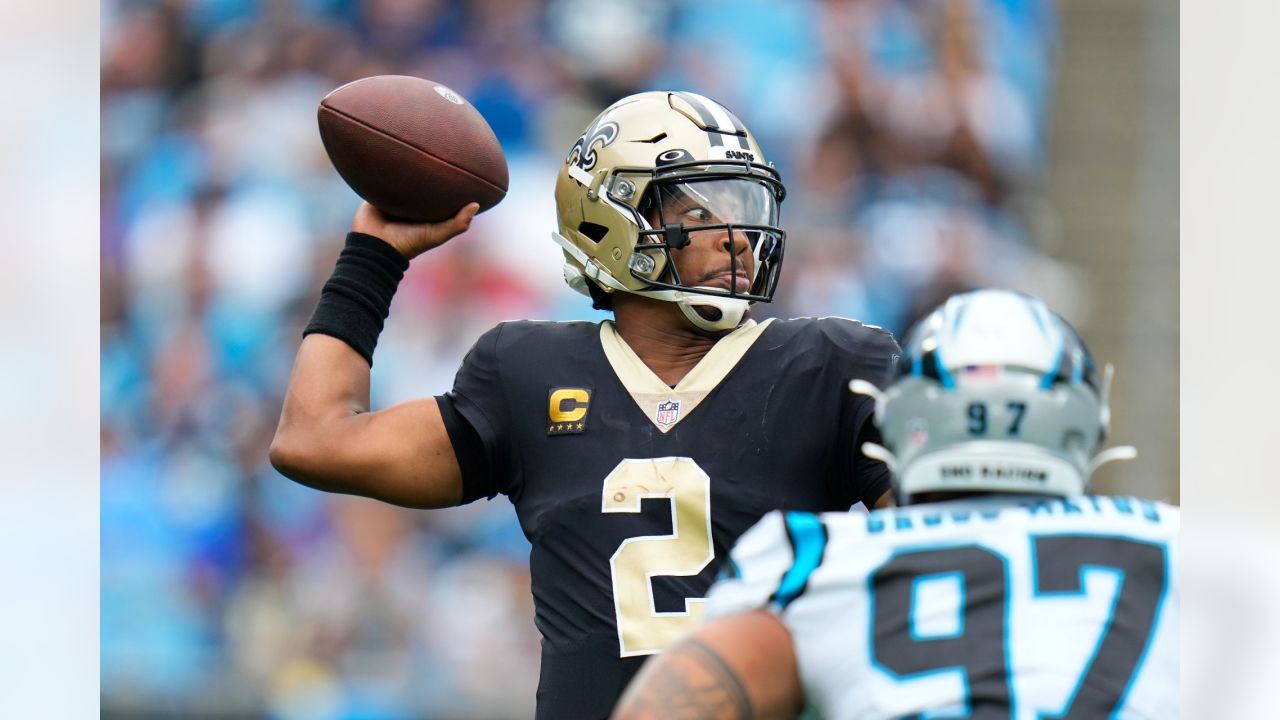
(646, 151)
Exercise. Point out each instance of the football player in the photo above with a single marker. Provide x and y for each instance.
(636, 450)
(998, 590)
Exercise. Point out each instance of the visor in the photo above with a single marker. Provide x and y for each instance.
(736, 201)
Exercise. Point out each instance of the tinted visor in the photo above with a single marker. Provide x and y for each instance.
(720, 201)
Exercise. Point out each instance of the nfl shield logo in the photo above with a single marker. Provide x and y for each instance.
(668, 412)
(918, 433)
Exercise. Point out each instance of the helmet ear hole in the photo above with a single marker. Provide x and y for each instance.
(709, 312)
(592, 230)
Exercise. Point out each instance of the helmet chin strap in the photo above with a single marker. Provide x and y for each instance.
(727, 312)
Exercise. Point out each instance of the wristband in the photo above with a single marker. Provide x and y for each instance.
(355, 301)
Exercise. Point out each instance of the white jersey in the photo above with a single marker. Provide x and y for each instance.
(989, 608)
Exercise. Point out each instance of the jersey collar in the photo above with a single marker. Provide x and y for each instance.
(667, 406)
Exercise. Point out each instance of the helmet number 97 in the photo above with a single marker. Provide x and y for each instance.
(978, 417)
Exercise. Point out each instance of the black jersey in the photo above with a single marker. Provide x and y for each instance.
(632, 492)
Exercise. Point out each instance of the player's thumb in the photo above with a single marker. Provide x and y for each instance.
(442, 232)
(463, 219)
(459, 223)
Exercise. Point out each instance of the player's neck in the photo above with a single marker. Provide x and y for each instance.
(661, 336)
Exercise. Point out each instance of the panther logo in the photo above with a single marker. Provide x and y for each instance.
(583, 152)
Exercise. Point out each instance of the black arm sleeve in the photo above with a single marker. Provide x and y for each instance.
(356, 299)
(475, 415)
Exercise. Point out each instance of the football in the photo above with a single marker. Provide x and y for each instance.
(413, 148)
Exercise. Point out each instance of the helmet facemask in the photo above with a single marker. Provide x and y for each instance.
(704, 202)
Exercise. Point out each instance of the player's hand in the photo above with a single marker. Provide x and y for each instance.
(411, 239)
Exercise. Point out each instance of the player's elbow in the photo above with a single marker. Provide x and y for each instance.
(303, 459)
(291, 455)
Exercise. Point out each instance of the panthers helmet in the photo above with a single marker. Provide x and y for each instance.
(993, 393)
(636, 158)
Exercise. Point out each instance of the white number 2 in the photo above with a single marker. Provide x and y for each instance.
(642, 630)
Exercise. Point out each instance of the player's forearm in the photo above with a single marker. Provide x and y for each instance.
(329, 439)
(741, 667)
(689, 681)
(327, 394)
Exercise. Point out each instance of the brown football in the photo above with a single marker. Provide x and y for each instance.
(413, 148)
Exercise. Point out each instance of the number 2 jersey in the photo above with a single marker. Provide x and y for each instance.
(987, 608)
(632, 492)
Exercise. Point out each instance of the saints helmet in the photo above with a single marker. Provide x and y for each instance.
(615, 190)
(993, 393)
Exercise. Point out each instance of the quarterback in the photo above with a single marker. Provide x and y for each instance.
(998, 590)
(636, 450)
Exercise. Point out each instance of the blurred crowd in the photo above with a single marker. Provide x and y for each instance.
(911, 136)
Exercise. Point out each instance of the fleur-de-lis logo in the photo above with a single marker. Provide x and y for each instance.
(583, 152)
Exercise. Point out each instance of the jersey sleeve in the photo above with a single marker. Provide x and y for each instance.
(770, 565)
(475, 414)
(870, 477)
(867, 353)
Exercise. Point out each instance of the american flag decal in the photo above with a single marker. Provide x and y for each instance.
(982, 372)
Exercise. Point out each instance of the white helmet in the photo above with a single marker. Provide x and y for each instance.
(654, 148)
(993, 393)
